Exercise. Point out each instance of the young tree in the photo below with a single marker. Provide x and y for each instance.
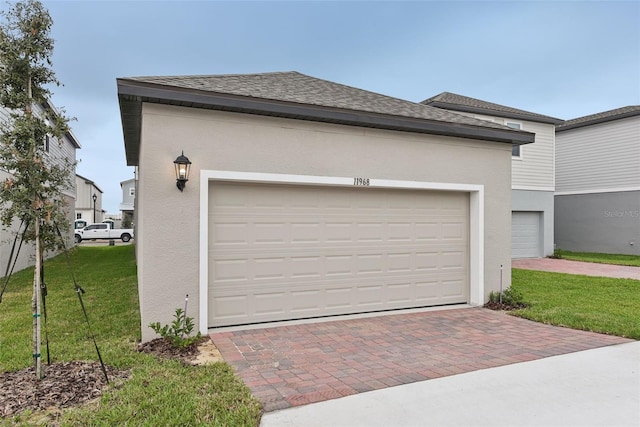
(32, 193)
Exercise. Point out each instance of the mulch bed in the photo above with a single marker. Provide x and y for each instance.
(71, 384)
(495, 305)
(161, 347)
(65, 385)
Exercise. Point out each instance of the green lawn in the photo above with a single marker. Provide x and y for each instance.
(597, 304)
(169, 393)
(618, 259)
(159, 392)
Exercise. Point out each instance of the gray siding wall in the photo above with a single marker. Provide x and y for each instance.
(4, 114)
(534, 170)
(538, 201)
(600, 222)
(127, 198)
(168, 266)
(7, 237)
(605, 156)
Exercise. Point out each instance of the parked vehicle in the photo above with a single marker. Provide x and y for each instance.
(102, 231)
(113, 223)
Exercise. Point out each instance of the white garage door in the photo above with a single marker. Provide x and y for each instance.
(279, 252)
(525, 235)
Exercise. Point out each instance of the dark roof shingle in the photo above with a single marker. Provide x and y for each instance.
(605, 116)
(452, 101)
(302, 89)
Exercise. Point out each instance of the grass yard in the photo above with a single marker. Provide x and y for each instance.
(597, 304)
(617, 259)
(159, 392)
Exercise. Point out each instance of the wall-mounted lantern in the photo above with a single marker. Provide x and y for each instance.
(183, 167)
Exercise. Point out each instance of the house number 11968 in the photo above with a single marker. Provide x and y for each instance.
(361, 181)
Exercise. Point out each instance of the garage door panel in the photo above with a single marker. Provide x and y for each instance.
(400, 262)
(279, 252)
(230, 309)
(338, 299)
(426, 231)
(452, 260)
(452, 288)
(269, 303)
(453, 231)
(400, 294)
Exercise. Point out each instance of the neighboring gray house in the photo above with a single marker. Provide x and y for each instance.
(57, 151)
(532, 179)
(598, 182)
(128, 202)
(308, 198)
(86, 208)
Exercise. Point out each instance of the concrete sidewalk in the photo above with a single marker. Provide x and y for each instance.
(598, 387)
(577, 267)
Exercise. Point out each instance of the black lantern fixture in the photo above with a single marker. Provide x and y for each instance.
(94, 197)
(183, 167)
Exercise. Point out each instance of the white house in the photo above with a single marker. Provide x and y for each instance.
(598, 182)
(88, 201)
(532, 179)
(307, 198)
(127, 206)
(58, 151)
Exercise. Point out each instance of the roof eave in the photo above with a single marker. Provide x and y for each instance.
(506, 114)
(49, 105)
(132, 94)
(564, 127)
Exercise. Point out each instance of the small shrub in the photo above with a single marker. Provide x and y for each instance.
(494, 296)
(511, 298)
(557, 254)
(178, 331)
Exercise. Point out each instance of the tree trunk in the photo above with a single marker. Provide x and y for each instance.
(35, 304)
(35, 301)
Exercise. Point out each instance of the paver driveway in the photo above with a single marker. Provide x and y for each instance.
(295, 365)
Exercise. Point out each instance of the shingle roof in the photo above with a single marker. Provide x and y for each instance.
(452, 101)
(302, 89)
(605, 116)
(295, 95)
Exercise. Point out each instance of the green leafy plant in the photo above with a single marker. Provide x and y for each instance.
(179, 331)
(557, 254)
(510, 297)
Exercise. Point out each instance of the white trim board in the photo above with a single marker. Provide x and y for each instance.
(476, 220)
(531, 188)
(597, 191)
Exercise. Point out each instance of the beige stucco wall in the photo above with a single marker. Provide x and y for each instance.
(167, 228)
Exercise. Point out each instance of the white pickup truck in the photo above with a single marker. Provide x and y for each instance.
(102, 231)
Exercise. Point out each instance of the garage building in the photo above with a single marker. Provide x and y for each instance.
(308, 198)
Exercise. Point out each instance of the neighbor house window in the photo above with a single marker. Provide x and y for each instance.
(79, 215)
(132, 191)
(46, 143)
(516, 150)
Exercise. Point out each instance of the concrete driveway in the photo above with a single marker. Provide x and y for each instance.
(289, 366)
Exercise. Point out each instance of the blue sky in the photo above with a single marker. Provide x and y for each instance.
(563, 59)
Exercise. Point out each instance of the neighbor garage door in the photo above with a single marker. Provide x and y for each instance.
(525, 235)
(279, 252)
